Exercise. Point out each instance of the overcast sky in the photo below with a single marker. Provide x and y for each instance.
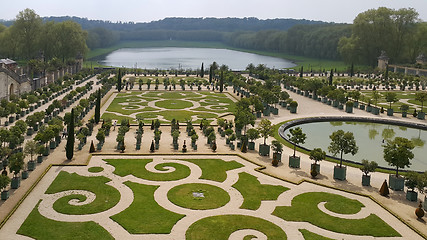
(149, 10)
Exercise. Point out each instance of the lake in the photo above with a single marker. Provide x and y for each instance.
(188, 58)
(370, 138)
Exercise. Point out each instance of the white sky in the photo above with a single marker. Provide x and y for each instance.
(149, 10)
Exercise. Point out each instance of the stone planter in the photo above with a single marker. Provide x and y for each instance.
(411, 196)
(366, 180)
(31, 165)
(421, 115)
(294, 162)
(396, 183)
(390, 112)
(404, 114)
(251, 145)
(264, 150)
(340, 172)
(4, 195)
(277, 157)
(16, 182)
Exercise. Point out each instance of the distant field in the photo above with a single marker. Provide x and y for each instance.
(308, 63)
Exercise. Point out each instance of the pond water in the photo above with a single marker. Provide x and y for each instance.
(188, 58)
(370, 137)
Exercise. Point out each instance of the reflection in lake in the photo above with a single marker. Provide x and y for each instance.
(189, 58)
(366, 135)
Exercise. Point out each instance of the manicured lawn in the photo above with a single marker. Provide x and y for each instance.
(95, 169)
(254, 192)
(170, 105)
(136, 167)
(304, 209)
(145, 215)
(106, 196)
(213, 196)
(221, 167)
(221, 227)
(38, 227)
(312, 236)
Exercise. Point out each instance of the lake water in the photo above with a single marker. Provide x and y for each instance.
(188, 58)
(369, 138)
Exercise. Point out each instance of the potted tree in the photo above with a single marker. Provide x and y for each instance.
(293, 107)
(194, 138)
(390, 97)
(252, 135)
(175, 136)
(412, 178)
(16, 164)
(317, 155)
(100, 136)
(398, 153)
(277, 149)
(366, 168)
(157, 135)
(349, 107)
(296, 137)
(232, 138)
(404, 108)
(4, 182)
(342, 143)
(40, 151)
(265, 129)
(30, 149)
(422, 97)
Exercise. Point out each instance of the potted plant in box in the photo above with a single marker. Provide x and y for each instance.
(277, 149)
(404, 108)
(317, 155)
(30, 149)
(398, 153)
(366, 168)
(252, 135)
(4, 182)
(296, 137)
(265, 129)
(342, 143)
(16, 164)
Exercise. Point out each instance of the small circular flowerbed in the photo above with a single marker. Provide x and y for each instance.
(96, 169)
(174, 104)
(198, 196)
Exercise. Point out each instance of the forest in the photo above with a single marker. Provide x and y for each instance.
(398, 32)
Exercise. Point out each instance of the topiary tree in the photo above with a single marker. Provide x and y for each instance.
(98, 107)
(317, 155)
(368, 167)
(342, 143)
(69, 148)
(265, 129)
(422, 97)
(296, 136)
(398, 153)
(391, 97)
(16, 163)
(4, 182)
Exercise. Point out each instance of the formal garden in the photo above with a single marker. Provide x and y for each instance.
(169, 105)
(191, 197)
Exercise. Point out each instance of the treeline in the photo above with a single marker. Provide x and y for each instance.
(318, 41)
(29, 36)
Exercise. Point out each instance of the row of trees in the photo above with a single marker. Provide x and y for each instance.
(29, 35)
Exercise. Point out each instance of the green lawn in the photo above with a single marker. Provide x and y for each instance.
(213, 196)
(169, 105)
(96, 169)
(312, 236)
(254, 192)
(304, 209)
(106, 196)
(38, 227)
(221, 227)
(145, 215)
(221, 167)
(136, 167)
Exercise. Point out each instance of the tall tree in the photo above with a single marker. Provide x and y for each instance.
(202, 71)
(119, 80)
(71, 40)
(98, 107)
(70, 140)
(210, 74)
(27, 28)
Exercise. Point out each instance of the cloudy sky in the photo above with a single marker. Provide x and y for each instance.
(149, 10)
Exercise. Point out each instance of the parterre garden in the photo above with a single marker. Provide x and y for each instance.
(168, 105)
(189, 197)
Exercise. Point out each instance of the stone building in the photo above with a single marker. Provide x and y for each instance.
(383, 61)
(11, 81)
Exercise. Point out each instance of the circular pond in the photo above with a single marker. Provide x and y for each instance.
(370, 136)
